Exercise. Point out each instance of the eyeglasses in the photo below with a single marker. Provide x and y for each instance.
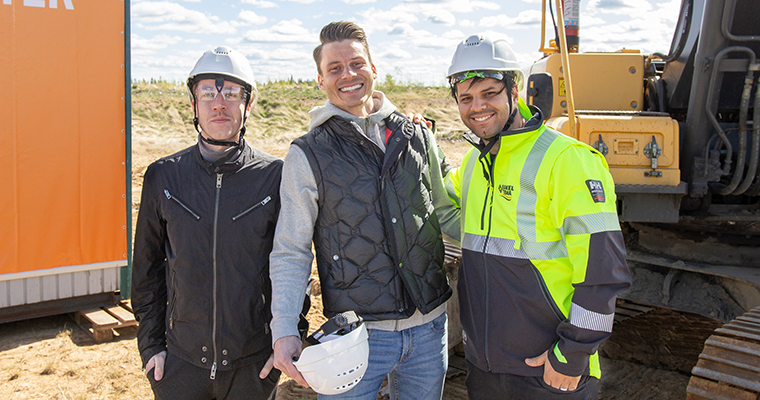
(229, 93)
(475, 74)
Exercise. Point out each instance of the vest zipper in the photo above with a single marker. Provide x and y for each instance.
(255, 206)
(216, 231)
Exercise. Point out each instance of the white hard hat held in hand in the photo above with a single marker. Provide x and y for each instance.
(338, 356)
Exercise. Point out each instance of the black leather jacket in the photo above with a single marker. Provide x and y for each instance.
(200, 272)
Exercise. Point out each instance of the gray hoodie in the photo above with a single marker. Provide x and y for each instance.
(291, 258)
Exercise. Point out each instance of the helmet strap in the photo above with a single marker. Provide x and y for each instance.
(333, 325)
(512, 113)
(215, 142)
(492, 142)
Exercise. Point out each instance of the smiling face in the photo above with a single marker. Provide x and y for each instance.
(347, 76)
(484, 106)
(219, 118)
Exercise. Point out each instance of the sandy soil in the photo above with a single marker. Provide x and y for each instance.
(52, 358)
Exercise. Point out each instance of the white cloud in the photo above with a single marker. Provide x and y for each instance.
(251, 17)
(527, 18)
(286, 54)
(375, 19)
(290, 31)
(164, 15)
(358, 1)
(174, 66)
(455, 34)
(157, 42)
(649, 31)
(260, 3)
(302, 1)
(441, 17)
(459, 6)
(619, 7)
(401, 29)
(423, 39)
(466, 23)
(392, 52)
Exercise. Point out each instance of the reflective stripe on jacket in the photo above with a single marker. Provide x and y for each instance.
(543, 257)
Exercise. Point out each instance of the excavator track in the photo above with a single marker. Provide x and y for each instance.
(729, 365)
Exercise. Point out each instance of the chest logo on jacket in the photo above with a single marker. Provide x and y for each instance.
(506, 191)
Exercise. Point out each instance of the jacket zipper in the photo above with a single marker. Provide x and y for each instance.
(216, 221)
(547, 296)
(255, 206)
(176, 200)
(489, 178)
(488, 204)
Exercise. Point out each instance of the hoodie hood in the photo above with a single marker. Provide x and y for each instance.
(370, 125)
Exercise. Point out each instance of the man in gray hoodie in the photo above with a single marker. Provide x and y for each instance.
(366, 186)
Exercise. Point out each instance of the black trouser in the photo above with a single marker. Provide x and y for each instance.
(185, 381)
(484, 385)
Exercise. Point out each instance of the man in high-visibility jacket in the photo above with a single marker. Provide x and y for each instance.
(543, 257)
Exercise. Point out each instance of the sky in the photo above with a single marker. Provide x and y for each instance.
(412, 40)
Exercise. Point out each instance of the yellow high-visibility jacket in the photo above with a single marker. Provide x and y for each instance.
(543, 257)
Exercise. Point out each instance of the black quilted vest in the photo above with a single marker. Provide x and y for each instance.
(377, 238)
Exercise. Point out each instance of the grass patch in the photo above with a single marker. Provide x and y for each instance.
(281, 112)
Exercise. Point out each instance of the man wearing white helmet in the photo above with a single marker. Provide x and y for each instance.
(543, 257)
(365, 187)
(200, 275)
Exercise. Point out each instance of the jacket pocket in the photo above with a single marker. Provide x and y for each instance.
(173, 302)
(181, 204)
(251, 208)
(257, 308)
(547, 295)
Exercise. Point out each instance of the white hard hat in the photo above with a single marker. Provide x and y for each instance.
(338, 359)
(223, 61)
(481, 53)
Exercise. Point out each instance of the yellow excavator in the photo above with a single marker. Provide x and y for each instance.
(681, 134)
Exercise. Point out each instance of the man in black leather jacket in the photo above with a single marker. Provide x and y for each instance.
(200, 282)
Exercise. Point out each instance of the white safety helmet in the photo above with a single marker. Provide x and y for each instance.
(233, 66)
(338, 357)
(481, 53)
(223, 61)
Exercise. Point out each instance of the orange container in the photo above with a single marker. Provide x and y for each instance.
(63, 149)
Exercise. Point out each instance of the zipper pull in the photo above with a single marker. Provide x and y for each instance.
(213, 371)
(218, 181)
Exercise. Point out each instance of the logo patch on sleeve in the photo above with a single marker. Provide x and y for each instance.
(597, 190)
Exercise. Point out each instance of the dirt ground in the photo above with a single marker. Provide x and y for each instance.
(52, 358)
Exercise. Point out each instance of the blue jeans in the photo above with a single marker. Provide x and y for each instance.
(418, 357)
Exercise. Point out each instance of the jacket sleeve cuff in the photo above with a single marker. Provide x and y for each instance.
(148, 353)
(566, 363)
(284, 326)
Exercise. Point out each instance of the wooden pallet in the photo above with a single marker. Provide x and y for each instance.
(100, 323)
